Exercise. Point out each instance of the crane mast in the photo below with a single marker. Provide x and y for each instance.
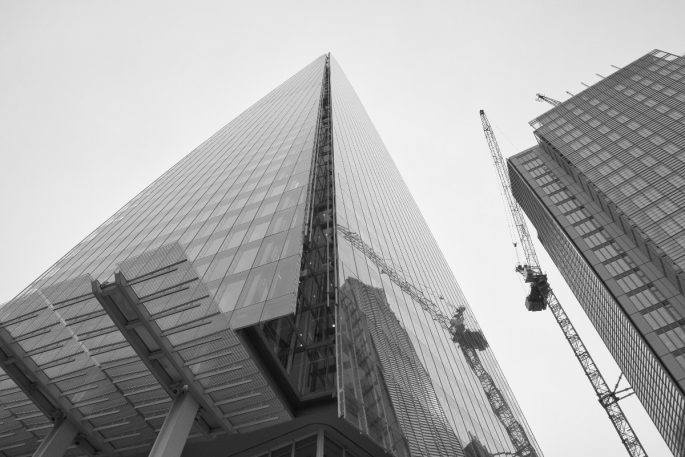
(469, 341)
(542, 296)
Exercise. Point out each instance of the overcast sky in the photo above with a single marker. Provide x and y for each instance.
(97, 99)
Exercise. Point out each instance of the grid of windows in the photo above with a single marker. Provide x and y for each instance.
(626, 134)
(574, 237)
(631, 279)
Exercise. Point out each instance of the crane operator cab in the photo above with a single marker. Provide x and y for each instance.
(539, 288)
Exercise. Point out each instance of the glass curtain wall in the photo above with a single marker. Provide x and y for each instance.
(373, 202)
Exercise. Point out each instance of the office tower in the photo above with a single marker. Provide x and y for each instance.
(605, 189)
(274, 293)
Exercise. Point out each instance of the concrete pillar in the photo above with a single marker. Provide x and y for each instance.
(174, 433)
(57, 441)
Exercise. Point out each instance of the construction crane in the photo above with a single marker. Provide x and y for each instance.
(550, 100)
(469, 341)
(541, 296)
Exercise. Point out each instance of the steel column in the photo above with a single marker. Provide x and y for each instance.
(58, 440)
(320, 444)
(174, 433)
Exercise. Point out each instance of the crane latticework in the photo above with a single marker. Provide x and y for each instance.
(469, 341)
(607, 398)
(550, 100)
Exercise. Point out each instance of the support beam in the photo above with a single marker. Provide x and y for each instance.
(44, 394)
(58, 440)
(174, 433)
(320, 443)
(144, 335)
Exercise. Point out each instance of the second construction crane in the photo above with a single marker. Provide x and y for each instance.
(541, 296)
(543, 98)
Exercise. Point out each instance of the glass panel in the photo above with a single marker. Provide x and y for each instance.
(285, 451)
(331, 449)
(306, 447)
(257, 285)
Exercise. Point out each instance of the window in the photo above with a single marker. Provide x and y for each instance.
(657, 140)
(627, 173)
(244, 258)
(625, 144)
(644, 298)
(644, 132)
(631, 281)
(606, 252)
(670, 226)
(677, 180)
(648, 160)
(619, 266)
(668, 206)
(670, 148)
(660, 317)
(230, 289)
(662, 170)
(655, 213)
(306, 447)
(257, 285)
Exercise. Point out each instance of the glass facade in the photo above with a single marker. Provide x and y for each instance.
(373, 202)
(234, 208)
(233, 278)
(604, 191)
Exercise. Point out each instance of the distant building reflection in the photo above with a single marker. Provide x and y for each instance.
(411, 391)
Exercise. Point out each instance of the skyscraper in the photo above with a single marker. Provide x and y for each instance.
(275, 293)
(605, 189)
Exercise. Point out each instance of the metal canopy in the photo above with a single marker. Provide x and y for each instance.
(145, 337)
(111, 359)
(26, 374)
(167, 315)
